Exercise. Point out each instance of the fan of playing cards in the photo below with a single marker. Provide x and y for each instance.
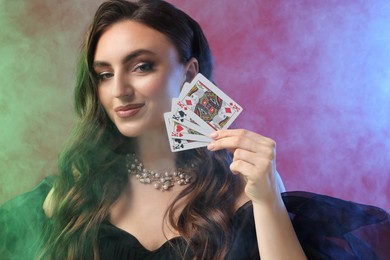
(200, 109)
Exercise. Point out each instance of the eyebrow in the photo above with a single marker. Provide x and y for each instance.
(126, 59)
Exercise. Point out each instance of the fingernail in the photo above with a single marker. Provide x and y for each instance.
(211, 146)
(214, 135)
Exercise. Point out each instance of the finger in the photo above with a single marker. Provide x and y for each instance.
(246, 156)
(234, 142)
(255, 174)
(242, 167)
(244, 133)
(254, 158)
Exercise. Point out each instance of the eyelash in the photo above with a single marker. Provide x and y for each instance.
(104, 76)
(143, 67)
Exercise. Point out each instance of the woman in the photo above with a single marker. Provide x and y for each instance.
(136, 58)
(134, 61)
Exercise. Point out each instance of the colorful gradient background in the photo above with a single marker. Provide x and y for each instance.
(313, 75)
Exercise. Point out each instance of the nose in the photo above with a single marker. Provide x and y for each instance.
(121, 86)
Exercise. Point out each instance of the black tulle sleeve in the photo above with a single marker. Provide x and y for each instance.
(21, 222)
(327, 228)
(330, 228)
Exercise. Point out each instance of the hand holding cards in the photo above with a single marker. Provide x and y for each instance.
(200, 109)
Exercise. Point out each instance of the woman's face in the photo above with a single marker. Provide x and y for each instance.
(139, 73)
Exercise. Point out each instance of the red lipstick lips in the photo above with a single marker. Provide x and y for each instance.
(128, 110)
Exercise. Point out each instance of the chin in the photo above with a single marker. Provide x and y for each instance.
(132, 132)
(136, 128)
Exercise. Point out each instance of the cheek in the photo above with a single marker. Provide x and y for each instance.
(160, 95)
(104, 98)
(174, 89)
(161, 87)
(100, 96)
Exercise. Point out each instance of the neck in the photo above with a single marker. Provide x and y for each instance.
(154, 151)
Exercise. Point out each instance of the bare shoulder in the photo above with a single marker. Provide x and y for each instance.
(48, 204)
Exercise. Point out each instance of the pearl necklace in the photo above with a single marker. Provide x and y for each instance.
(160, 181)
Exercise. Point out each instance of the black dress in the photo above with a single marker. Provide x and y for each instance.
(328, 228)
(118, 244)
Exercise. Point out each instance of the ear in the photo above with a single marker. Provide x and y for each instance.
(191, 69)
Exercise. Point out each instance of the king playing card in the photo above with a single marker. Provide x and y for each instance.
(200, 109)
(209, 103)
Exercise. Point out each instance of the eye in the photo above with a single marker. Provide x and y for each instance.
(144, 67)
(105, 76)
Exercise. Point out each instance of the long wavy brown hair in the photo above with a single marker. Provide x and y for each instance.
(91, 168)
